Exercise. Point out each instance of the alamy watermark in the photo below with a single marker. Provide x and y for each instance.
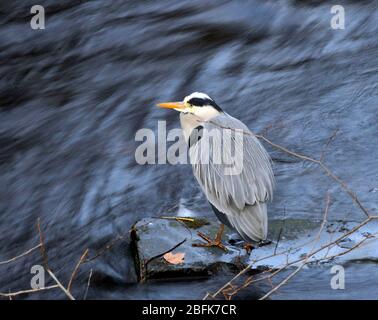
(38, 280)
(338, 19)
(215, 146)
(338, 280)
(38, 20)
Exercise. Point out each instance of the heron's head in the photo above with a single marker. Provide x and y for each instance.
(197, 103)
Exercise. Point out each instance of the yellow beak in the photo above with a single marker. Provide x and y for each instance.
(172, 105)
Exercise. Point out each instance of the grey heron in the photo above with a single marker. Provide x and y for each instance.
(238, 200)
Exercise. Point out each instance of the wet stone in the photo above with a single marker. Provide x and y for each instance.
(297, 238)
(153, 237)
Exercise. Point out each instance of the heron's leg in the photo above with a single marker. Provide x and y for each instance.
(219, 235)
(248, 247)
(217, 242)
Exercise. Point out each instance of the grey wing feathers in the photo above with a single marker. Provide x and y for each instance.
(241, 197)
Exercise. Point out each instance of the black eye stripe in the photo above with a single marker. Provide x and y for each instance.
(199, 102)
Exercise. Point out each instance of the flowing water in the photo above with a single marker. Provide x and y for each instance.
(73, 95)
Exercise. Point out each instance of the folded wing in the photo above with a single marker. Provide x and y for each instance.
(234, 171)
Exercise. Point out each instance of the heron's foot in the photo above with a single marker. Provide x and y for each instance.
(217, 242)
(209, 242)
(249, 247)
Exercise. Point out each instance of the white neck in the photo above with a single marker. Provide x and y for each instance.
(189, 121)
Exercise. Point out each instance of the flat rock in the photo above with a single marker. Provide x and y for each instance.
(153, 237)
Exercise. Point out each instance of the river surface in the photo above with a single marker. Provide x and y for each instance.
(73, 95)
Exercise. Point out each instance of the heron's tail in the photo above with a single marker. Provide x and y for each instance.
(252, 222)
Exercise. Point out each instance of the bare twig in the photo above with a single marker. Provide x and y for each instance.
(45, 262)
(106, 248)
(330, 139)
(183, 219)
(306, 258)
(67, 293)
(325, 168)
(327, 171)
(278, 240)
(17, 293)
(284, 281)
(42, 244)
(88, 284)
(21, 255)
(73, 275)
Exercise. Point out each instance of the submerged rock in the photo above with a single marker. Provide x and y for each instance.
(336, 242)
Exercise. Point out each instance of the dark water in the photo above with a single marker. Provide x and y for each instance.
(73, 95)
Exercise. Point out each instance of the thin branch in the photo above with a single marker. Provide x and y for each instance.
(106, 248)
(42, 244)
(306, 258)
(21, 255)
(358, 244)
(73, 275)
(325, 168)
(284, 281)
(88, 284)
(68, 294)
(330, 139)
(13, 294)
(45, 261)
